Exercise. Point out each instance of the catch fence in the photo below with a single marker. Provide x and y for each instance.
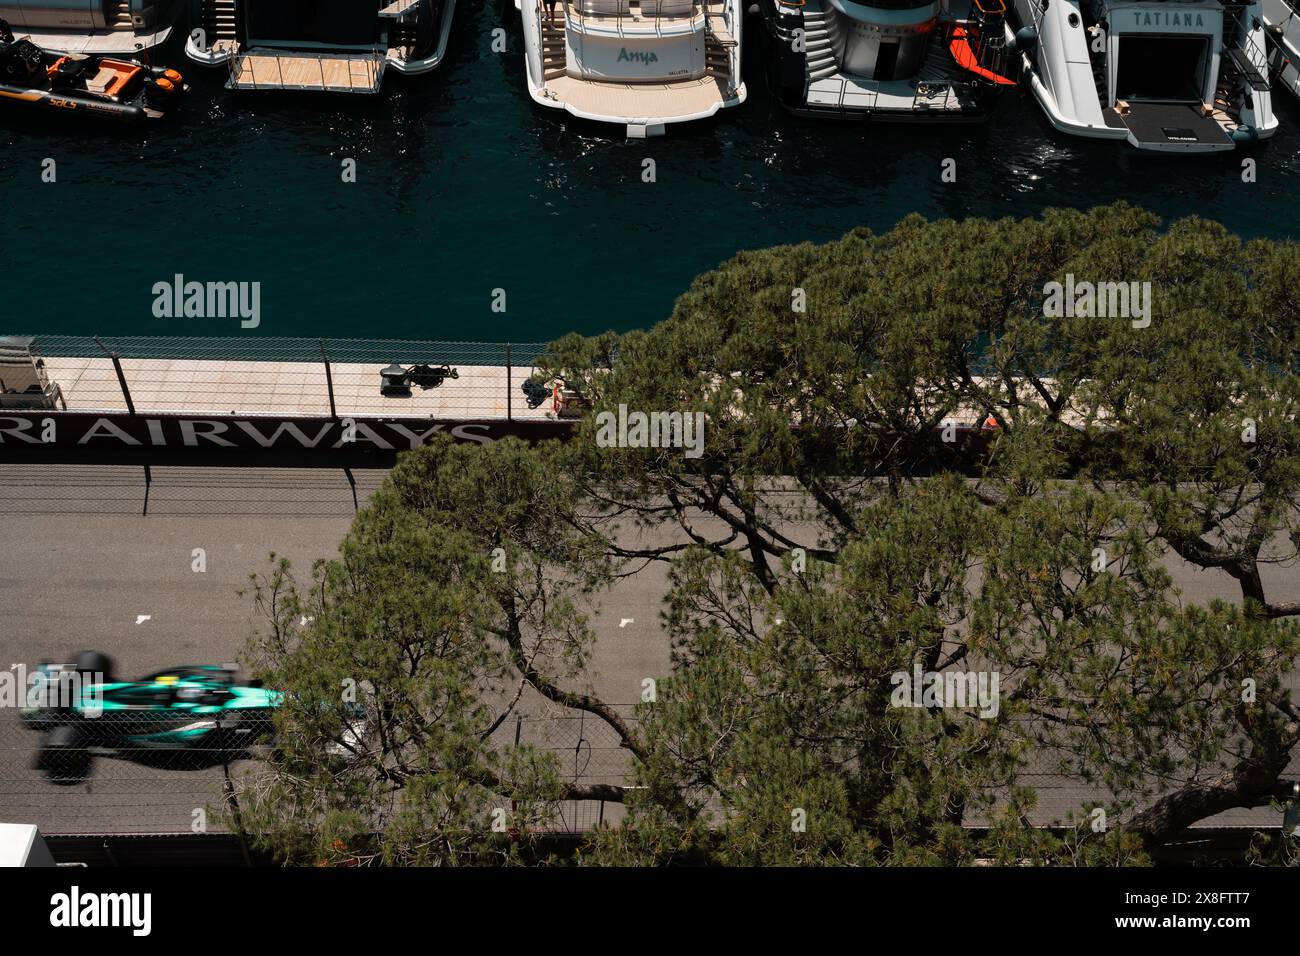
(113, 788)
(112, 783)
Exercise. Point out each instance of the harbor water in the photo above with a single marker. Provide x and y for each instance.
(467, 194)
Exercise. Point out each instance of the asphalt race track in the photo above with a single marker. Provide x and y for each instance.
(82, 562)
(99, 557)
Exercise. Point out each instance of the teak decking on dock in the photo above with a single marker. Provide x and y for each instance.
(657, 99)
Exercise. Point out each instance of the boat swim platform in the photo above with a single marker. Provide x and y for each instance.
(262, 69)
(638, 101)
(844, 91)
(270, 388)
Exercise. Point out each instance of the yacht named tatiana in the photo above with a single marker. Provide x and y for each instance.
(92, 27)
(1173, 76)
(332, 45)
(641, 64)
(897, 60)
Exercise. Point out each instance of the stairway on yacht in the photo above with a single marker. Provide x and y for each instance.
(118, 14)
(938, 64)
(219, 24)
(821, 33)
(718, 44)
(553, 52)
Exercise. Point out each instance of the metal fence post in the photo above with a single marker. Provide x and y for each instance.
(329, 379)
(510, 391)
(121, 378)
(519, 730)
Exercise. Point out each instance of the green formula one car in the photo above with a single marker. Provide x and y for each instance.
(183, 717)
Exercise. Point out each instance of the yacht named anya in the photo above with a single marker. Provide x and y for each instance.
(640, 64)
(332, 45)
(92, 27)
(896, 60)
(1173, 76)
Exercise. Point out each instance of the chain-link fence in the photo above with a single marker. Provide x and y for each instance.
(251, 375)
(106, 783)
(260, 348)
(587, 751)
(115, 782)
(126, 773)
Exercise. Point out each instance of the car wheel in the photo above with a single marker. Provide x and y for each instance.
(93, 662)
(63, 757)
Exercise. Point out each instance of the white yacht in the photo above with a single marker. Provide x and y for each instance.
(896, 60)
(1173, 76)
(93, 27)
(342, 46)
(1282, 20)
(640, 64)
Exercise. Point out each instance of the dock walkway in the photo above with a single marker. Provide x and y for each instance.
(248, 388)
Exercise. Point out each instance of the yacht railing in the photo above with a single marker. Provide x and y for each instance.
(1245, 41)
(924, 98)
(896, 4)
(235, 63)
(621, 14)
(729, 13)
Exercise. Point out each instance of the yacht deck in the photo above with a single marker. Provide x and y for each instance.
(638, 100)
(122, 43)
(933, 89)
(636, 103)
(846, 91)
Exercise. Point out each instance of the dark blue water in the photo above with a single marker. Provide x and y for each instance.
(465, 187)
